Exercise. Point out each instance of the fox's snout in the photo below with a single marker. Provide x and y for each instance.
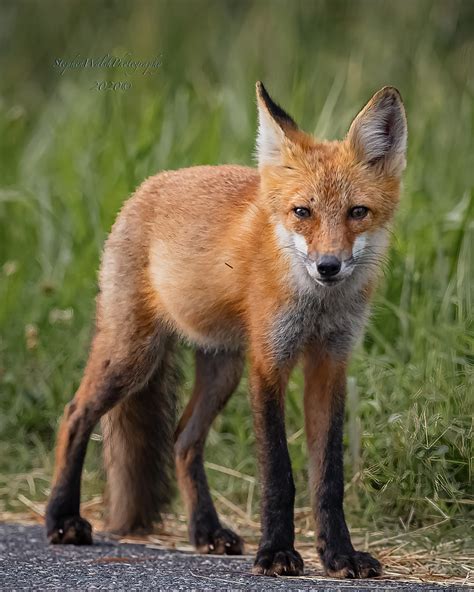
(329, 268)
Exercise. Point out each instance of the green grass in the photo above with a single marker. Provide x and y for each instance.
(69, 156)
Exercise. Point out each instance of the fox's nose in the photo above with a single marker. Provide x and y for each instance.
(328, 265)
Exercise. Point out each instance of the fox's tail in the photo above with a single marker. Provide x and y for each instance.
(138, 450)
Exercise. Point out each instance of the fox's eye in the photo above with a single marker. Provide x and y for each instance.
(302, 212)
(358, 212)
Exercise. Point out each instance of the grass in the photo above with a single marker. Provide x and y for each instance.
(69, 156)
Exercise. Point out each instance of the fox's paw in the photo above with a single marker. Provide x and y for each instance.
(73, 530)
(222, 541)
(351, 565)
(269, 562)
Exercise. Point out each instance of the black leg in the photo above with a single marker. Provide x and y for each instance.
(217, 376)
(325, 380)
(276, 554)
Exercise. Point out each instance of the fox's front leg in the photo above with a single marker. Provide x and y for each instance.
(325, 385)
(276, 554)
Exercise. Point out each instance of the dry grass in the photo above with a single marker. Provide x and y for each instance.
(405, 555)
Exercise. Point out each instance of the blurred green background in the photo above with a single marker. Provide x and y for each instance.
(70, 155)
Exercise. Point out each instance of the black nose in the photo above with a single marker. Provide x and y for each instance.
(328, 265)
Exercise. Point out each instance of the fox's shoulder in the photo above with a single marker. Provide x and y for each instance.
(190, 199)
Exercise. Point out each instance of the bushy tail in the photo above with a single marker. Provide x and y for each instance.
(138, 450)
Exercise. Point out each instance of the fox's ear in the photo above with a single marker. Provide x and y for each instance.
(273, 126)
(378, 135)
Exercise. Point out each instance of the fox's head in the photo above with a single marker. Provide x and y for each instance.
(332, 202)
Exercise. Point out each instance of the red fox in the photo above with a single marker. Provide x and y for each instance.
(278, 263)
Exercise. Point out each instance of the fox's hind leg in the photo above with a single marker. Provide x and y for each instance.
(217, 376)
(113, 371)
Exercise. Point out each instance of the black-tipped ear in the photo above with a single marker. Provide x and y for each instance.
(378, 134)
(273, 125)
(279, 115)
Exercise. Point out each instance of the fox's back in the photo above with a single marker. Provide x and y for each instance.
(199, 203)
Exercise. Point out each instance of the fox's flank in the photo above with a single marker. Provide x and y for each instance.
(277, 264)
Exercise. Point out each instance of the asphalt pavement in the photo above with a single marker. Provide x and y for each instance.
(27, 562)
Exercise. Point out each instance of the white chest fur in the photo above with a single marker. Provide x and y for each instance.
(331, 317)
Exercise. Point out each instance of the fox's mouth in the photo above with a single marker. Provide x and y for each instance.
(329, 281)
